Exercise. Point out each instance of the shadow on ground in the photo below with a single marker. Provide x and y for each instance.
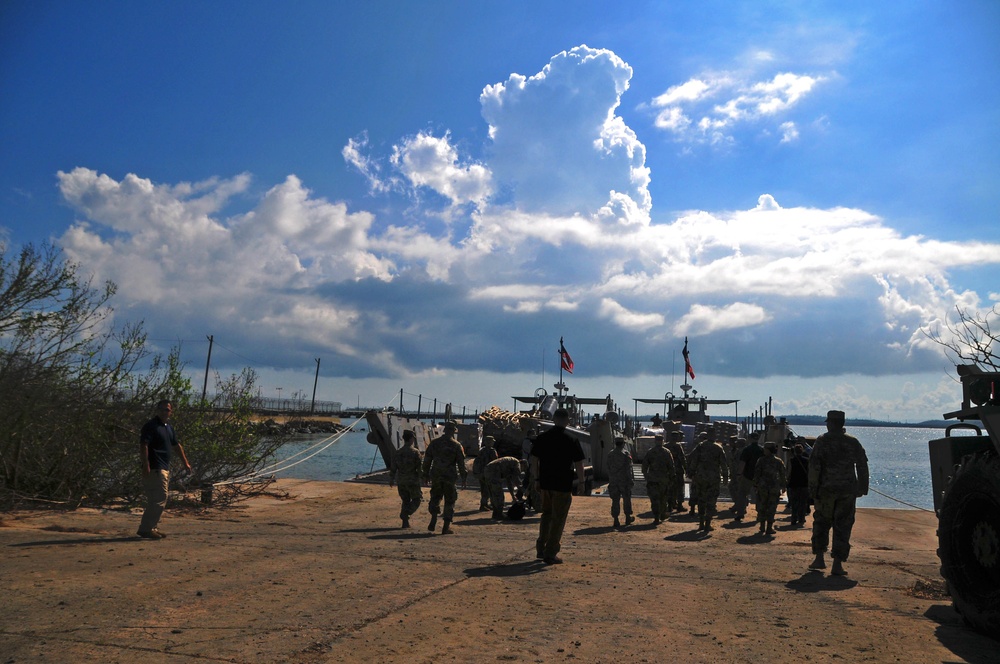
(507, 570)
(81, 540)
(956, 636)
(816, 581)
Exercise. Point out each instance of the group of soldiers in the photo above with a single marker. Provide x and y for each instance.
(837, 476)
(837, 470)
(440, 467)
(708, 466)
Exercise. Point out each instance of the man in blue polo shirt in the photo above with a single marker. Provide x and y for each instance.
(155, 441)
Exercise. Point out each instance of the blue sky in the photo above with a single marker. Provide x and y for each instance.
(428, 195)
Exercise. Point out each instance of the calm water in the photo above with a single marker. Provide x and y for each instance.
(897, 460)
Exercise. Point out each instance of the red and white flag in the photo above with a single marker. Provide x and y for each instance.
(565, 361)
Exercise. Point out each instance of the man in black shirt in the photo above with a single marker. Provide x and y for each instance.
(554, 457)
(155, 441)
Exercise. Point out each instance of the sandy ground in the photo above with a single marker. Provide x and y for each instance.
(327, 576)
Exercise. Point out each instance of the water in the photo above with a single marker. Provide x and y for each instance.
(897, 460)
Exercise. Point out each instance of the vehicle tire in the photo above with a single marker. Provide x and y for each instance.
(969, 542)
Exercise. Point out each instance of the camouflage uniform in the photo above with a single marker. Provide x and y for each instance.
(705, 465)
(658, 469)
(676, 500)
(444, 461)
(838, 475)
(620, 481)
(497, 471)
(486, 455)
(769, 479)
(405, 472)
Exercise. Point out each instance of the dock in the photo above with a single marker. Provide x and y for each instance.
(321, 572)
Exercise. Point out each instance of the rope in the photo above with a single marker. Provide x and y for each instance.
(283, 465)
(901, 502)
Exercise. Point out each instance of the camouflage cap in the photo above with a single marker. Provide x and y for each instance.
(451, 424)
(488, 441)
(770, 445)
(835, 416)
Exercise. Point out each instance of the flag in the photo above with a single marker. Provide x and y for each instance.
(565, 361)
(687, 360)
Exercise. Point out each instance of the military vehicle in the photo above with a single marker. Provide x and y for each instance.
(965, 475)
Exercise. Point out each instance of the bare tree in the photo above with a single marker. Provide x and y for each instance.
(972, 338)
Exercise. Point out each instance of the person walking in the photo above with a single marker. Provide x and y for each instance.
(486, 454)
(707, 464)
(675, 501)
(798, 484)
(838, 476)
(620, 482)
(405, 474)
(742, 483)
(554, 457)
(156, 439)
(444, 461)
(499, 471)
(658, 469)
(768, 480)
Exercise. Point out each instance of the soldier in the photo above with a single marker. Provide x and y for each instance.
(405, 473)
(838, 476)
(769, 479)
(705, 465)
(497, 471)
(443, 463)
(676, 499)
(658, 469)
(486, 454)
(620, 481)
(742, 481)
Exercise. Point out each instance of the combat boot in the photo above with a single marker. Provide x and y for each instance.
(447, 527)
(770, 527)
(629, 519)
(406, 522)
(497, 515)
(708, 523)
(434, 522)
(617, 523)
(818, 563)
(761, 528)
(838, 568)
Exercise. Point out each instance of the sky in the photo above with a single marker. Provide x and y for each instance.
(428, 196)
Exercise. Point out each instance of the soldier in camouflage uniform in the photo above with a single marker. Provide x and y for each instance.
(676, 499)
(769, 479)
(706, 464)
(486, 454)
(505, 469)
(620, 481)
(444, 461)
(838, 476)
(658, 469)
(405, 473)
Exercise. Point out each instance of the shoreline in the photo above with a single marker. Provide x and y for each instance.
(326, 575)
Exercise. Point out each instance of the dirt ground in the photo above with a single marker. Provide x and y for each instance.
(326, 575)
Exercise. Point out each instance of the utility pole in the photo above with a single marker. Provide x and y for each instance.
(312, 408)
(208, 363)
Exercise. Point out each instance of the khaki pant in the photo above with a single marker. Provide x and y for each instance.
(620, 494)
(410, 495)
(555, 508)
(834, 511)
(156, 498)
(446, 489)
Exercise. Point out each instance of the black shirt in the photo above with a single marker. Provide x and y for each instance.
(749, 457)
(159, 438)
(557, 454)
